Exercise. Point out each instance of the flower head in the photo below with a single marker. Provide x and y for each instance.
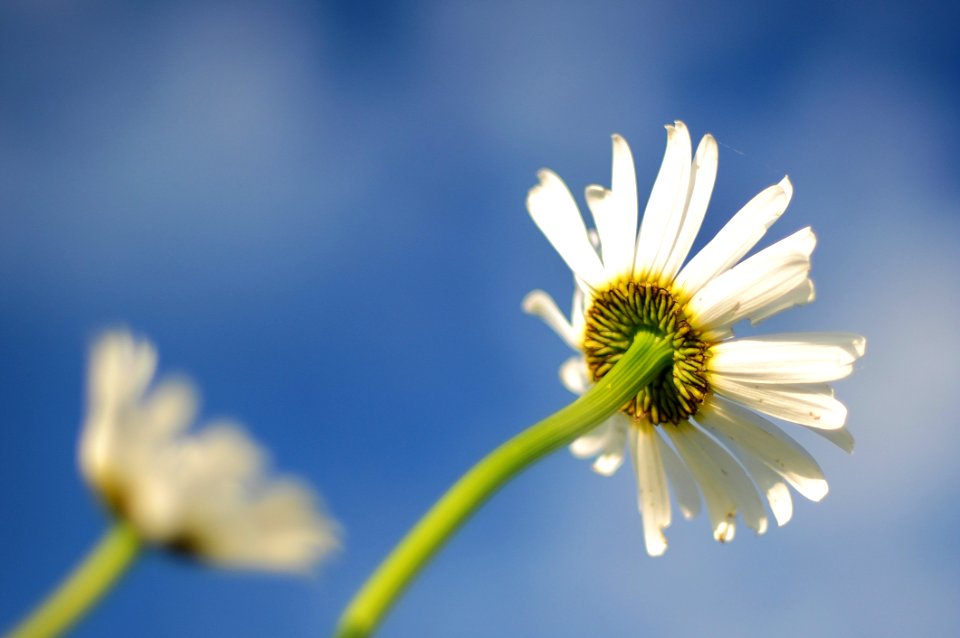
(696, 428)
(201, 493)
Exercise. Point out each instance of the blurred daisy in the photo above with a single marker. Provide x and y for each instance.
(204, 493)
(697, 426)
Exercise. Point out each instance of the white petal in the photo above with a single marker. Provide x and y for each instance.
(615, 213)
(788, 358)
(673, 223)
(653, 499)
(771, 486)
(724, 484)
(594, 238)
(539, 303)
(840, 437)
(573, 375)
(121, 368)
(623, 183)
(224, 455)
(593, 441)
(577, 317)
(810, 404)
(735, 239)
(750, 289)
(606, 441)
(682, 484)
(664, 211)
(702, 178)
(236, 516)
(611, 455)
(750, 435)
(555, 212)
(279, 529)
(167, 410)
(803, 293)
(157, 508)
(616, 246)
(604, 211)
(781, 503)
(583, 287)
(720, 505)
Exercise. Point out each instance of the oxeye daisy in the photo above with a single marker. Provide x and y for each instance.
(204, 493)
(702, 426)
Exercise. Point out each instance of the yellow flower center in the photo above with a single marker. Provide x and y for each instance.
(621, 310)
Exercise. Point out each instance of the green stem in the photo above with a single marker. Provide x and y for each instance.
(645, 358)
(84, 587)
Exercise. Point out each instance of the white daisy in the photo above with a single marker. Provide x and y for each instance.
(694, 428)
(203, 493)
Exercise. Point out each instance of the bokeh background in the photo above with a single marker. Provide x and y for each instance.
(316, 210)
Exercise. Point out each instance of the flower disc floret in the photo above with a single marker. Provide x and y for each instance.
(614, 318)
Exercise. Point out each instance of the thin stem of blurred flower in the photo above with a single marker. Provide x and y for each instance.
(90, 580)
(645, 358)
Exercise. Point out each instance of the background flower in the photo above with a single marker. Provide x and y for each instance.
(291, 196)
(203, 493)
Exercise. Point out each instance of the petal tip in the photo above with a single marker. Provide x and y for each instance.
(787, 186)
(656, 546)
(532, 301)
(607, 464)
(545, 174)
(860, 345)
(724, 531)
(707, 150)
(596, 193)
(816, 490)
(545, 179)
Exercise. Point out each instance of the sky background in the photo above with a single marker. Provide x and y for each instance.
(316, 210)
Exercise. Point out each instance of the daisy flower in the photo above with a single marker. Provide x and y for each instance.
(701, 427)
(203, 493)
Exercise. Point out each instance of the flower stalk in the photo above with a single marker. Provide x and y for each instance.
(88, 583)
(639, 365)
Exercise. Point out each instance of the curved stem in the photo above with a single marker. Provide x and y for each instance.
(645, 358)
(89, 581)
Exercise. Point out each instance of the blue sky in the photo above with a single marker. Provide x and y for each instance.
(317, 212)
